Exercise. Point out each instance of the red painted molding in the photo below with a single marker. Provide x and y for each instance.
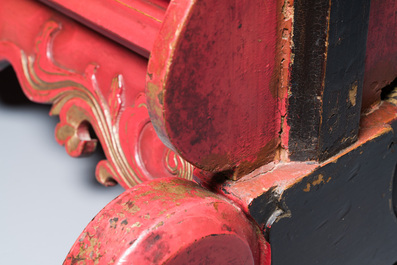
(132, 23)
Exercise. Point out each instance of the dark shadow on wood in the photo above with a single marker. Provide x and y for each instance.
(11, 93)
(388, 90)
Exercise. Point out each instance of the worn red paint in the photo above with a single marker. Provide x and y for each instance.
(381, 54)
(285, 10)
(217, 89)
(211, 85)
(170, 221)
(281, 175)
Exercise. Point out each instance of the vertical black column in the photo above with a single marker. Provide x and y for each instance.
(327, 72)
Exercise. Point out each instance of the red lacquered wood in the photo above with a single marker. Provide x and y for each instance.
(90, 80)
(381, 55)
(133, 23)
(170, 221)
(277, 178)
(212, 83)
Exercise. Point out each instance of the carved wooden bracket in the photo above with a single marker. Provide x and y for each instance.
(117, 111)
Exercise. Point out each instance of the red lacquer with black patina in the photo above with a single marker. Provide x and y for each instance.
(244, 132)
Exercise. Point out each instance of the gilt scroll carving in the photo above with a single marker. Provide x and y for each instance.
(133, 151)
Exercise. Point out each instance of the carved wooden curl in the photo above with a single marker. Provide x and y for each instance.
(134, 153)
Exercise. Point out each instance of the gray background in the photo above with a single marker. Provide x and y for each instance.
(46, 197)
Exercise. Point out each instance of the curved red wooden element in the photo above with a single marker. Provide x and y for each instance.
(170, 221)
(90, 80)
(213, 82)
(132, 23)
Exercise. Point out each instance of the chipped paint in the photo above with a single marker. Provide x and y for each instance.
(130, 207)
(153, 240)
(353, 93)
(320, 180)
(136, 224)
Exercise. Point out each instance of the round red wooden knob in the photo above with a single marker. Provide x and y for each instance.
(170, 221)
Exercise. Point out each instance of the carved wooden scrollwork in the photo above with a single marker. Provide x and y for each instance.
(133, 151)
